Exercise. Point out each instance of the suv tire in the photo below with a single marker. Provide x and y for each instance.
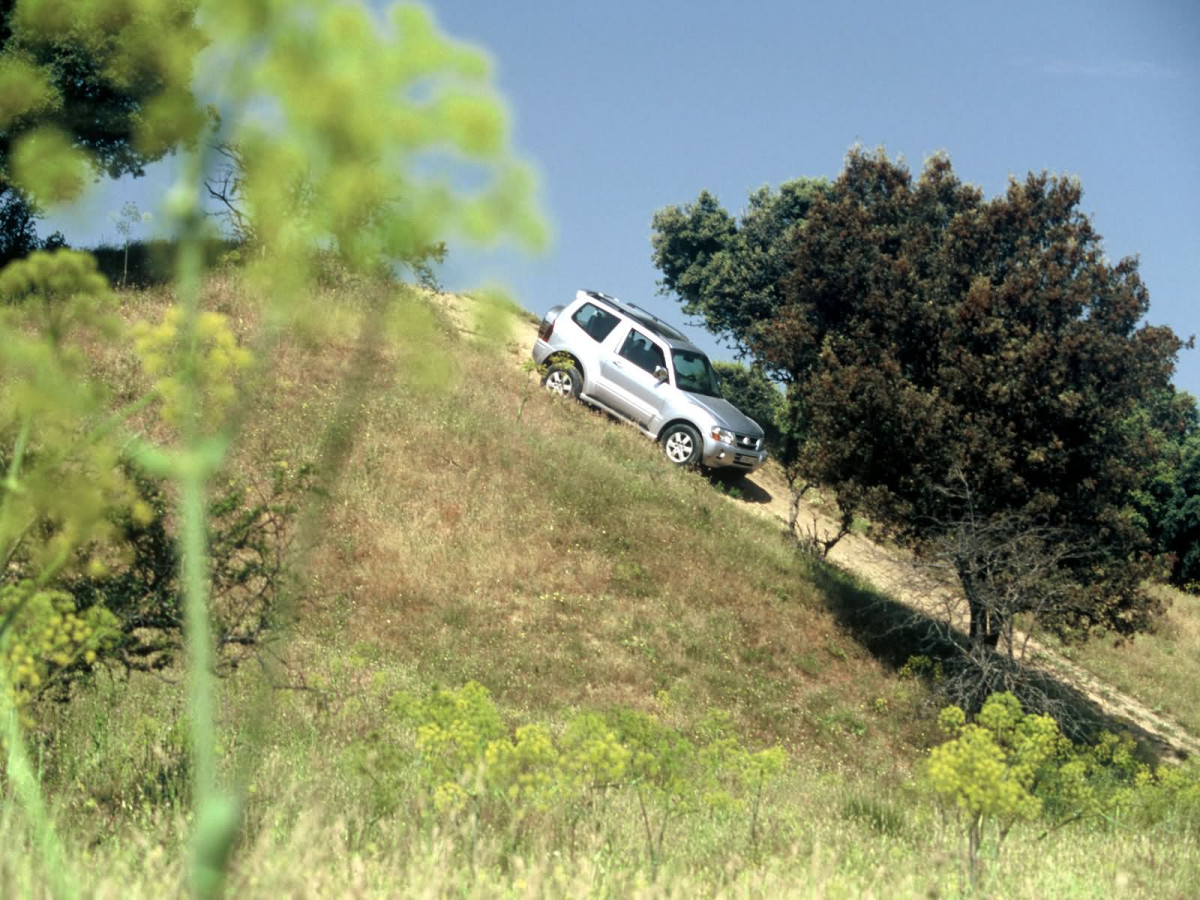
(563, 379)
(682, 445)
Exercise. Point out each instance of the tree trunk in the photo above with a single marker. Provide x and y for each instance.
(986, 624)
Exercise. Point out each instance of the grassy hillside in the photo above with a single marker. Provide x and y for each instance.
(482, 531)
(1159, 667)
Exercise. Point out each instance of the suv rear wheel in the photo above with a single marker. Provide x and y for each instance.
(563, 379)
(682, 445)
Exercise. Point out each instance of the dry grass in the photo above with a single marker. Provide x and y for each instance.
(478, 528)
(556, 558)
(562, 563)
(1160, 668)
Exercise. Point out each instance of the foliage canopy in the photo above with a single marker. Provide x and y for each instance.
(110, 80)
(1169, 502)
(1181, 519)
(952, 357)
(749, 388)
(373, 127)
(727, 270)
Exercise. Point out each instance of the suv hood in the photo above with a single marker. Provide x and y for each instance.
(727, 414)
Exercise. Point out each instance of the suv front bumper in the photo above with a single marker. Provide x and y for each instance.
(720, 455)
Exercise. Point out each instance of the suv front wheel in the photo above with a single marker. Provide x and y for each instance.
(563, 379)
(682, 445)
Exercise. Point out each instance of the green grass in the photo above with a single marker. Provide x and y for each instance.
(315, 825)
(561, 562)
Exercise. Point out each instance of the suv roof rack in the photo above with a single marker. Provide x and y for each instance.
(643, 316)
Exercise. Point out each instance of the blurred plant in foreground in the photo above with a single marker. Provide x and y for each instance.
(357, 133)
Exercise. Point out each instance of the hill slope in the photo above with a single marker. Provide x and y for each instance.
(481, 531)
(893, 573)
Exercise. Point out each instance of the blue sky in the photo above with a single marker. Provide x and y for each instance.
(627, 107)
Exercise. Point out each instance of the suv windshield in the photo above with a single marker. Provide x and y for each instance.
(694, 373)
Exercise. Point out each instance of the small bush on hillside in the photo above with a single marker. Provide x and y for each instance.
(91, 563)
(251, 528)
(61, 479)
(120, 601)
(47, 636)
(1008, 767)
(90, 559)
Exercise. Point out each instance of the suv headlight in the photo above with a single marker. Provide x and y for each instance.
(722, 434)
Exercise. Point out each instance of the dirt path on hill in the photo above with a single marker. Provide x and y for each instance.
(893, 572)
(765, 493)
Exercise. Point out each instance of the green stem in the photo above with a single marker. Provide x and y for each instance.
(14, 467)
(114, 420)
(20, 772)
(29, 793)
(754, 812)
(215, 821)
(10, 488)
(199, 640)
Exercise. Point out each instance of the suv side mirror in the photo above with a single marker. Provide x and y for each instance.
(660, 374)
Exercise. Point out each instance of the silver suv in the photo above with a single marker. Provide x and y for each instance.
(622, 359)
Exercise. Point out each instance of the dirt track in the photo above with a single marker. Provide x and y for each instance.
(892, 572)
(765, 493)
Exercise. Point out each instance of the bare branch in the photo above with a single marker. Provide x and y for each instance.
(227, 188)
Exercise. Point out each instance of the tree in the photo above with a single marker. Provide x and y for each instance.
(99, 74)
(956, 358)
(1169, 500)
(729, 271)
(18, 228)
(1179, 526)
(126, 220)
(1003, 564)
(227, 186)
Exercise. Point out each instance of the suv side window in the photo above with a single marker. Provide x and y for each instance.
(595, 322)
(642, 352)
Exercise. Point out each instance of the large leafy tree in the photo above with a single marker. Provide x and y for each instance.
(1181, 524)
(100, 74)
(728, 270)
(965, 369)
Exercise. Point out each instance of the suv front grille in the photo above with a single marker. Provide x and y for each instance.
(747, 442)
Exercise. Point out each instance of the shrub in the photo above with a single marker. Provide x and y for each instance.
(989, 768)
(250, 532)
(1009, 766)
(470, 763)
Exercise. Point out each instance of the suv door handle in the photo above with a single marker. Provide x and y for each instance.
(616, 364)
